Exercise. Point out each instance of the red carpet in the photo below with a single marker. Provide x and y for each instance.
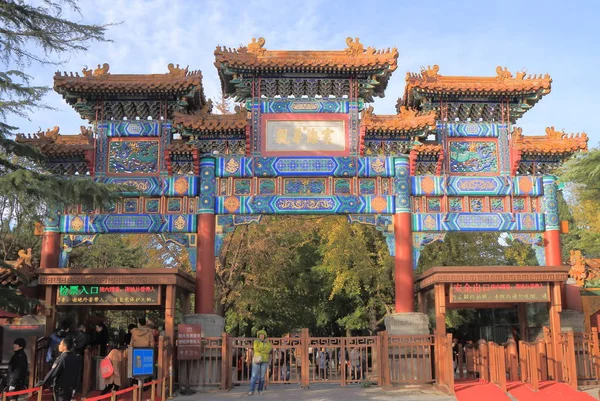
(475, 390)
(549, 391)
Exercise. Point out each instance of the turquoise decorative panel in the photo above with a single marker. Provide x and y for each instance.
(242, 186)
(518, 204)
(550, 203)
(497, 204)
(174, 205)
(127, 223)
(473, 157)
(208, 186)
(366, 186)
(375, 167)
(303, 205)
(140, 185)
(130, 205)
(342, 186)
(455, 204)
(183, 185)
(233, 166)
(133, 128)
(478, 222)
(473, 129)
(476, 204)
(304, 186)
(479, 186)
(133, 157)
(305, 166)
(304, 106)
(152, 205)
(267, 186)
(401, 184)
(294, 166)
(434, 204)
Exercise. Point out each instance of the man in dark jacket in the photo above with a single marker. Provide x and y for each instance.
(55, 339)
(16, 377)
(65, 373)
(81, 340)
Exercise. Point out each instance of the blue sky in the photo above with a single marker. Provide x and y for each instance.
(558, 37)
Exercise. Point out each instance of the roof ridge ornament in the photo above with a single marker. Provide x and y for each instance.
(355, 48)
(176, 71)
(96, 72)
(503, 74)
(430, 73)
(257, 46)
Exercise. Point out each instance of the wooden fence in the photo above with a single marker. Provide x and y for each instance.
(383, 360)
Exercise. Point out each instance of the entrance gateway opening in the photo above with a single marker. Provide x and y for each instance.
(304, 140)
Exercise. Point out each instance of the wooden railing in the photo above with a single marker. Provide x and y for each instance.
(530, 368)
(566, 362)
(89, 354)
(39, 350)
(497, 366)
(409, 359)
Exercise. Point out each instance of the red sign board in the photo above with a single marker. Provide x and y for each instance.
(499, 292)
(189, 342)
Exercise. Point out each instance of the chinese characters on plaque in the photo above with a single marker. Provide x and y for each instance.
(189, 342)
(108, 295)
(501, 292)
(307, 136)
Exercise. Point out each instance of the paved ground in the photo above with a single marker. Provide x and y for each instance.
(323, 393)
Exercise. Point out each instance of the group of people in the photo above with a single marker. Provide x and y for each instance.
(65, 354)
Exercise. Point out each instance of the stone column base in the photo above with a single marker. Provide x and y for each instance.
(208, 368)
(407, 323)
(212, 325)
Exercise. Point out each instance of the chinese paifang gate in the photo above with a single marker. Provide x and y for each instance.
(304, 140)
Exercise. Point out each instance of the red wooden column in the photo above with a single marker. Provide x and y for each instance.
(404, 281)
(552, 233)
(50, 250)
(205, 265)
(205, 259)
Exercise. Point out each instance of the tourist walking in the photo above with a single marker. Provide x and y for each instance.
(260, 361)
(65, 372)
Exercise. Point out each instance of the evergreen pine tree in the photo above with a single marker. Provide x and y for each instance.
(37, 34)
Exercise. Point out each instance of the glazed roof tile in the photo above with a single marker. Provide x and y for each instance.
(354, 57)
(554, 142)
(406, 120)
(205, 121)
(504, 82)
(177, 80)
(51, 141)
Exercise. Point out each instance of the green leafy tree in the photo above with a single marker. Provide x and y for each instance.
(35, 34)
(110, 251)
(582, 177)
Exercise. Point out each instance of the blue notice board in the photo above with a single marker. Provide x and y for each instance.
(143, 362)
